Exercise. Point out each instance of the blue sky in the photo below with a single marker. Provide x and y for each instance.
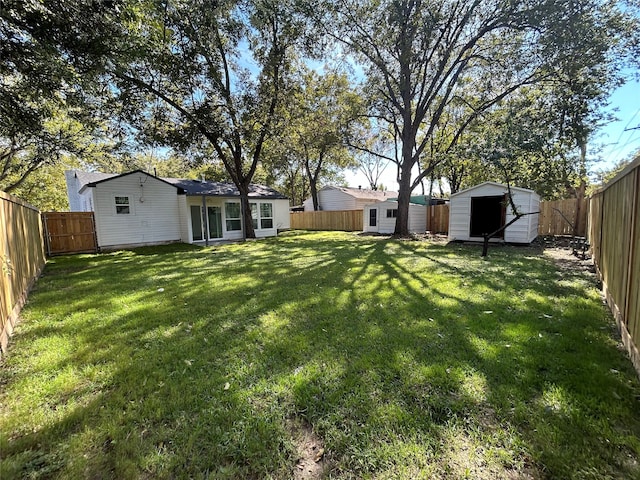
(615, 141)
(618, 143)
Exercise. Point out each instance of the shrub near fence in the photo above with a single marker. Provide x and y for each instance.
(614, 235)
(21, 259)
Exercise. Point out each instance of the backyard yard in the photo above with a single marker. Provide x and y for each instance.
(317, 355)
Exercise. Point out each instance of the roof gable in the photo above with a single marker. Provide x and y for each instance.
(184, 186)
(134, 172)
(494, 184)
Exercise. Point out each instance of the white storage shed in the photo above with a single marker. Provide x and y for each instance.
(485, 208)
(381, 217)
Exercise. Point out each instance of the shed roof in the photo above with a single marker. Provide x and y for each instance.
(495, 184)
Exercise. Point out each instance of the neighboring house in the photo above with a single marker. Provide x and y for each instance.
(485, 208)
(381, 217)
(137, 208)
(345, 198)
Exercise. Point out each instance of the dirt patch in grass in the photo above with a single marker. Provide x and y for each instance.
(567, 262)
(312, 461)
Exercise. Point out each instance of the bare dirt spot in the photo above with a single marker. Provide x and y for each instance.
(312, 462)
(568, 262)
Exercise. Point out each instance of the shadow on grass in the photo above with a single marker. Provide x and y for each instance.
(408, 359)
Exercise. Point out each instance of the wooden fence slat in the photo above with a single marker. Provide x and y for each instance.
(22, 258)
(343, 220)
(614, 233)
(556, 218)
(70, 232)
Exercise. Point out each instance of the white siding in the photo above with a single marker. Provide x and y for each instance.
(417, 218)
(524, 230)
(360, 203)
(280, 211)
(534, 206)
(366, 215)
(75, 203)
(332, 199)
(185, 222)
(154, 215)
(78, 202)
(308, 205)
(282, 217)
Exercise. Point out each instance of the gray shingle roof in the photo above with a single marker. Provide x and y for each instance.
(222, 189)
(190, 187)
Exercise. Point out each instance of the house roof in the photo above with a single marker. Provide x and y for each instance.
(495, 184)
(89, 177)
(223, 189)
(108, 177)
(184, 186)
(424, 200)
(393, 201)
(364, 193)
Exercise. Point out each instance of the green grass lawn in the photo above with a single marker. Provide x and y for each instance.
(402, 359)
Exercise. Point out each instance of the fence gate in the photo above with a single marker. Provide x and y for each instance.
(70, 232)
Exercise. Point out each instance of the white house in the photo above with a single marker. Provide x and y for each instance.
(345, 198)
(485, 208)
(381, 217)
(137, 208)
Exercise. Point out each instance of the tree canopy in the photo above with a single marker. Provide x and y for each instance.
(447, 85)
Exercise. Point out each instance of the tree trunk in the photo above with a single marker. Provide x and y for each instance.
(404, 198)
(314, 194)
(245, 209)
(581, 188)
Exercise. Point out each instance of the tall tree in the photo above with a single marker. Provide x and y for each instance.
(45, 97)
(323, 113)
(195, 74)
(422, 57)
(214, 73)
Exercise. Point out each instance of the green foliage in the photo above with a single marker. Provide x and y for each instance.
(435, 68)
(406, 359)
(322, 111)
(46, 94)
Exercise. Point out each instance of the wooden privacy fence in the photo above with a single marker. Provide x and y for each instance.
(614, 235)
(21, 259)
(344, 220)
(70, 232)
(438, 218)
(556, 218)
(559, 216)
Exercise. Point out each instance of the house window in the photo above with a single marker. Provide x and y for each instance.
(263, 216)
(266, 215)
(232, 215)
(392, 212)
(122, 205)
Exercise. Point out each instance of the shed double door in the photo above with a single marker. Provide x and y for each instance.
(488, 214)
